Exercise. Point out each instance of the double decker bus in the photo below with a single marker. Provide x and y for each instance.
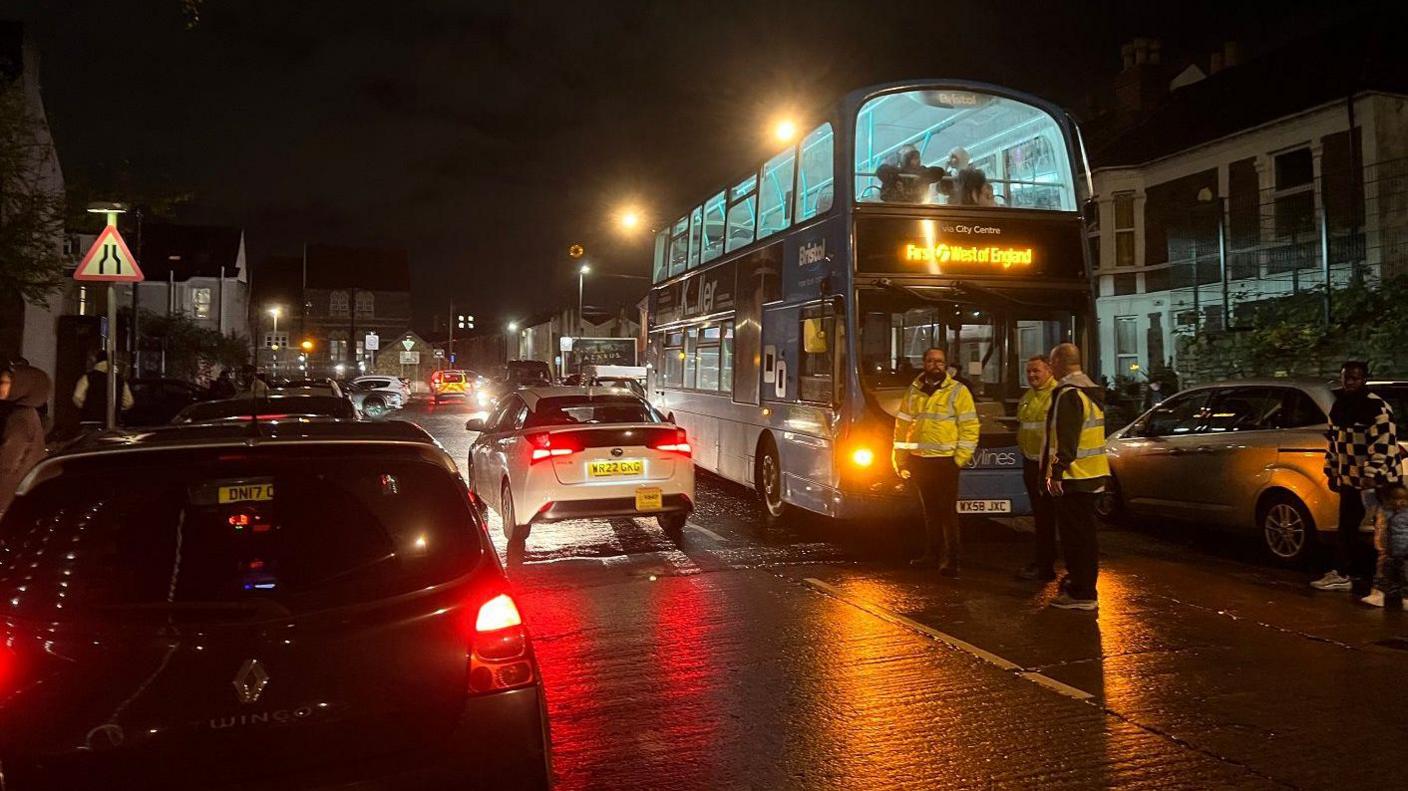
(791, 309)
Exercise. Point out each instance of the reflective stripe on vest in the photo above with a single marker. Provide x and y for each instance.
(1090, 461)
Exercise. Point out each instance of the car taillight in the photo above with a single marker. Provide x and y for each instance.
(677, 444)
(499, 656)
(546, 447)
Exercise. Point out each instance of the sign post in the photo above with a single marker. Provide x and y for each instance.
(109, 261)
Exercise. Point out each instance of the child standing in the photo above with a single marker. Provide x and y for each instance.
(1391, 539)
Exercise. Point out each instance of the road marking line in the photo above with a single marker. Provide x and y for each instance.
(706, 531)
(951, 641)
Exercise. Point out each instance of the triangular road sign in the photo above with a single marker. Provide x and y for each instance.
(109, 260)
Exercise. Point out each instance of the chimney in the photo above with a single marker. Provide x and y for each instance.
(1142, 83)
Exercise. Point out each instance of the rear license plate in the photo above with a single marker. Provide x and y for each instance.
(612, 468)
(984, 506)
(247, 493)
(649, 499)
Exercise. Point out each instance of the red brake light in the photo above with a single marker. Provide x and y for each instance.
(678, 444)
(499, 656)
(544, 446)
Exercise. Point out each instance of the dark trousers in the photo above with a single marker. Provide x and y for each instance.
(1043, 513)
(1392, 577)
(937, 481)
(1075, 518)
(1351, 517)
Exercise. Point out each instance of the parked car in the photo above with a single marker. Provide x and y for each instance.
(554, 453)
(1245, 455)
(397, 384)
(280, 404)
(374, 401)
(156, 401)
(305, 605)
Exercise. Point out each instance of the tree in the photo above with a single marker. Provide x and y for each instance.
(31, 202)
(192, 351)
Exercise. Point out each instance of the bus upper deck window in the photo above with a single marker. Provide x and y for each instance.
(961, 148)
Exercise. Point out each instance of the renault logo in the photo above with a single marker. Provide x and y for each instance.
(616, 451)
(250, 681)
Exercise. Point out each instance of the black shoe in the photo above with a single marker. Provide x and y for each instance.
(1032, 573)
(948, 570)
(924, 562)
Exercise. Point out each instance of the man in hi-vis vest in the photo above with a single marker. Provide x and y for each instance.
(936, 434)
(1031, 439)
(1076, 471)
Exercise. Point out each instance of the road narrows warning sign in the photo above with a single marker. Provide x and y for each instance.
(109, 260)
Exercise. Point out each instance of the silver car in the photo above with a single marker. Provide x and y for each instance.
(1246, 455)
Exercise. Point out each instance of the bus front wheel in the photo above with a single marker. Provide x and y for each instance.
(768, 482)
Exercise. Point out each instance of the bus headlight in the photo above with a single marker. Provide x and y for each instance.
(862, 457)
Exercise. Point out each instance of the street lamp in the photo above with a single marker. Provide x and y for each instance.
(274, 344)
(111, 210)
(581, 274)
(785, 130)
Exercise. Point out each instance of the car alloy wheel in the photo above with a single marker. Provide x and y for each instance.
(374, 407)
(1285, 530)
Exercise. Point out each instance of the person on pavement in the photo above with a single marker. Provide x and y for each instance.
(223, 386)
(250, 385)
(1391, 540)
(22, 435)
(936, 434)
(1362, 456)
(1031, 439)
(1075, 470)
(90, 395)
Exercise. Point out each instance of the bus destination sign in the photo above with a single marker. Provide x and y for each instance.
(990, 247)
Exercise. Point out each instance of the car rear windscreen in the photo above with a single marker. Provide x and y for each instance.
(202, 537)
(276, 406)
(575, 410)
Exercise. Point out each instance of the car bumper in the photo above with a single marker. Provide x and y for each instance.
(501, 742)
(558, 511)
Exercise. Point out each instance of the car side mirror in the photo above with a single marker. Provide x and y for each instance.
(474, 424)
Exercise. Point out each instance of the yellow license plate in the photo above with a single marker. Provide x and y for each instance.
(649, 499)
(614, 468)
(245, 493)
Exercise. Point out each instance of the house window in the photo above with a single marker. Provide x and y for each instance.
(1124, 229)
(1294, 195)
(337, 303)
(337, 350)
(200, 303)
(1126, 345)
(276, 340)
(366, 304)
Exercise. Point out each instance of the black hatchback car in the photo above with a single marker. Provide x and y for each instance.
(307, 605)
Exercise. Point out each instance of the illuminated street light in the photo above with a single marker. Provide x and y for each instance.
(629, 219)
(785, 130)
(307, 345)
(513, 326)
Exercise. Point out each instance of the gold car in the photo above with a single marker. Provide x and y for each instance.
(1245, 455)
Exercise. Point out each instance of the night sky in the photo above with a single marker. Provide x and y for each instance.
(486, 137)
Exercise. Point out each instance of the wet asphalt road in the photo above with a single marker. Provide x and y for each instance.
(814, 657)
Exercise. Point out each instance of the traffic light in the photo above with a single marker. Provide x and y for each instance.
(464, 322)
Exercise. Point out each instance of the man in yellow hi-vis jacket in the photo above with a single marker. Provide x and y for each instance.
(936, 434)
(1031, 439)
(1076, 471)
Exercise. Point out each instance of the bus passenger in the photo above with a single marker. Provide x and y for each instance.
(1031, 438)
(936, 434)
(974, 189)
(909, 181)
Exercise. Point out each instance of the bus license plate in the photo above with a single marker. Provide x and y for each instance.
(247, 493)
(649, 499)
(611, 468)
(984, 506)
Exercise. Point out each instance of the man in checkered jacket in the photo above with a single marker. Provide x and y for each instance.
(1362, 457)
